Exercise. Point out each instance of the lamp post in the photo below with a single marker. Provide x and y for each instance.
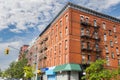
(36, 60)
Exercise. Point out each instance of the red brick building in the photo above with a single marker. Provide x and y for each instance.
(23, 50)
(78, 35)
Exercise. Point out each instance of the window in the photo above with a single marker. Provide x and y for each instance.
(95, 23)
(107, 61)
(56, 27)
(82, 19)
(87, 32)
(105, 37)
(87, 20)
(114, 28)
(119, 62)
(97, 46)
(82, 31)
(60, 48)
(52, 31)
(112, 55)
(54, 61)
(83, 59)
(110, 32)
(55, 48)
(60, 34)
(83, 44)
(106, 49)
(89, 58)
(66, 44)
(88, 45)
(111, 43)
(104, 26)
(66, 18)
(60, 23)
(117, 50)
(66, 30)
(56, 38)
(96, 35)
(115, 39)
(97, 57)
(66, 58)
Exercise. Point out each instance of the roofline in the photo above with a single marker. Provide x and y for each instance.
(82, 9)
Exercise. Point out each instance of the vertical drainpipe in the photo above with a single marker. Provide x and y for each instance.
(69, 74)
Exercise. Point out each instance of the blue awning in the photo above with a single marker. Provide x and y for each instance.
(44, 69)
(50, 71)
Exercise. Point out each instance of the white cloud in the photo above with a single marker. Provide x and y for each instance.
(22, 12)
(5, 60)
(101, 4)
(34, 12)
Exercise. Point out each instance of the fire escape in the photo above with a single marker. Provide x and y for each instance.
(43, 49)
(90, 41)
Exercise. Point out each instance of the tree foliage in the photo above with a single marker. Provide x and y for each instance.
(28, 71)
(16, 69)
(0, 72)
(96, 71)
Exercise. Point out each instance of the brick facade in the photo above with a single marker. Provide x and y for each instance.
(78, 35)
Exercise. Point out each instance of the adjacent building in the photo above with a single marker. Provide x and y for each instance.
(76, 37)
(23, 50)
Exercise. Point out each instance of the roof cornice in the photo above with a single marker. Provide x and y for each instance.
(82, 9)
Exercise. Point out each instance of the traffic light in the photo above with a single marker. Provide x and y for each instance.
(7, 51)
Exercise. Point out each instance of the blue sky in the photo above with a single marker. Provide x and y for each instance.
(21, 21)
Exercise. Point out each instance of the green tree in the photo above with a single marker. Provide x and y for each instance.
(28, 71)
(0, 72)
(96, 71)
(16, 69)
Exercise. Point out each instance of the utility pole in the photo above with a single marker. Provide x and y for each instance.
(13, 47)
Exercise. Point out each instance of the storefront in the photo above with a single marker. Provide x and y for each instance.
(42, 75)
(68, 72)
(51, 75)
